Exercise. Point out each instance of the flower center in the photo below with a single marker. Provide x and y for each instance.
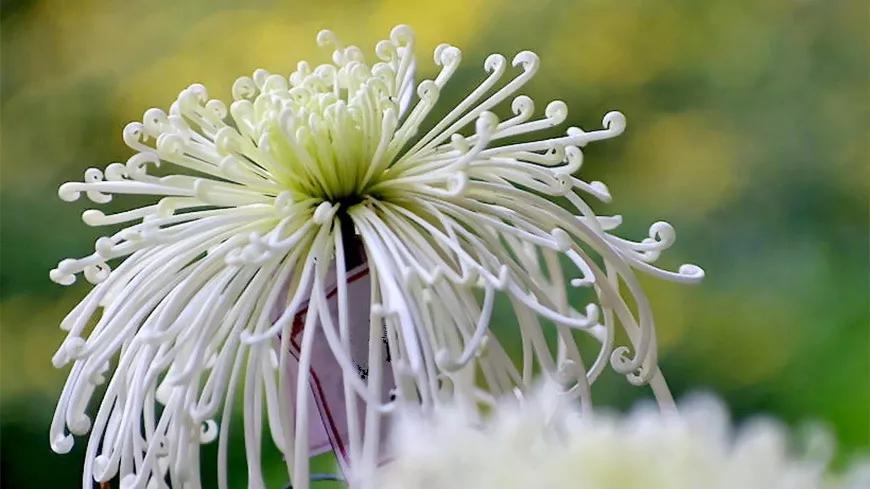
(331, 137)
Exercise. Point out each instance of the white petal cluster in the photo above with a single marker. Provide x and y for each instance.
(544, 441)
(253, 207)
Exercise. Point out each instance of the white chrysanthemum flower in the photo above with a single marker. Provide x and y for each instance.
(326, 248)
(544, 441)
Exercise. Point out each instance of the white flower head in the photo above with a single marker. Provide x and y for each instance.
(240, 279)
(544, 441)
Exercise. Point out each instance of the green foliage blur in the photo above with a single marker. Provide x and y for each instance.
(748, 130)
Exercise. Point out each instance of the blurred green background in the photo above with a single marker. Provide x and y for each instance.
(748, 130)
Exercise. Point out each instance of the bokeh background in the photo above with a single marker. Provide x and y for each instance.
(748, 130)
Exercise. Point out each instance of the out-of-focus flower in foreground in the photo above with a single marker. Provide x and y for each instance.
(544, 441)
(321, 245)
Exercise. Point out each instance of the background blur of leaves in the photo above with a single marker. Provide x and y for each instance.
(747, 130)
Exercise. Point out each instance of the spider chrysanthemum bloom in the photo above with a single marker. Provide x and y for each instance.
(541, 441)
(320, 245)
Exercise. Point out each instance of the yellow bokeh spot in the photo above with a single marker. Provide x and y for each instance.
(683, 158)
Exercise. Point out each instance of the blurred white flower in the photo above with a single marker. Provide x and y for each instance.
(545, 442)
(322, 245)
